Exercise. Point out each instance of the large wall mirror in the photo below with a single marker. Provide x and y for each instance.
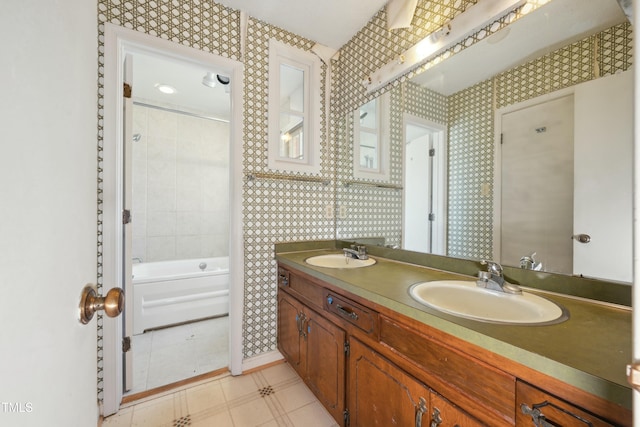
(562, 53)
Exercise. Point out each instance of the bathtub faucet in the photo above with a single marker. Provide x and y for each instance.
(137, 259)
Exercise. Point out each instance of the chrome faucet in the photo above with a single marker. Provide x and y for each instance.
(528, 262)
(493, 279)
(356, 252)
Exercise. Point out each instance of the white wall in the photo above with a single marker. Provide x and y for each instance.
(47, 212)
(180, 186)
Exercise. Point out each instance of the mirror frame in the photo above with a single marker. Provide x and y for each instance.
(281, 54)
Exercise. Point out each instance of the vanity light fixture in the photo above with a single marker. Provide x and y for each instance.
(164, 88)
(463, 25)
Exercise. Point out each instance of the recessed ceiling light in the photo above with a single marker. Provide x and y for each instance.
(168, 89)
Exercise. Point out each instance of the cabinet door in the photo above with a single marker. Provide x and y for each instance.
(444, 413)
(325, 363)
(536, 408)
(289, 335)
(380, 394)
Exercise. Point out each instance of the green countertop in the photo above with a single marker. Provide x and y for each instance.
(589, 351)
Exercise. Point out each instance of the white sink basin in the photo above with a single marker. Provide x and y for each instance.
(338, 261)
(465, 299)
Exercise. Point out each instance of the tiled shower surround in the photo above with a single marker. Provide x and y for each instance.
(279, 210)
(180, 186)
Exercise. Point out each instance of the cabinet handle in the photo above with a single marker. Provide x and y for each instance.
(303, 319)
(420, 410)
(283, 280)
(539, 419)
(436, 419)
(346, 312)
(300, 319)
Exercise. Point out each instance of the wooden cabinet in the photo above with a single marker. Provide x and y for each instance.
(537, 408)
(380, 394)
(289, 330)
(324, 353)
(370, 366)
(315, 348)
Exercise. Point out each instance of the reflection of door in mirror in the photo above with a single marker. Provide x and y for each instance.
(564, 169)
(537, 185)
(291, 112)
(424, 207)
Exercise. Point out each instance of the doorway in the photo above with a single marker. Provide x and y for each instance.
(425, 176)
(179, 243)
(166, 237)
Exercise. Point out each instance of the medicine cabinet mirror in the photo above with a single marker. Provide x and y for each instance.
(371, 140)
(294, 106)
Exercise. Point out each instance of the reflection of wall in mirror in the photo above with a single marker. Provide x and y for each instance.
(469, 115)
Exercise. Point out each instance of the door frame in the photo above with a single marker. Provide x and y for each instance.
(440, 184)
(119, 41)
(497, 158)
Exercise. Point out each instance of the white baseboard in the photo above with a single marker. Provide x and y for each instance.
(261, 360)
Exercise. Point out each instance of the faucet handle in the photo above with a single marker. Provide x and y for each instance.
(492, 266)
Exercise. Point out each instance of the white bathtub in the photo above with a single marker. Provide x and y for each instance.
(171, 292)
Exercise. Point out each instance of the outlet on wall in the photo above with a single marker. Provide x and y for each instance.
(329, 211)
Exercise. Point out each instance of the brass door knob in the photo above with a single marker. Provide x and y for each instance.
(112, 303)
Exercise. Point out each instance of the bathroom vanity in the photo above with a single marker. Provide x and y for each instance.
(376, 357)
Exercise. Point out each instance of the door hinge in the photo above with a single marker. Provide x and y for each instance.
(501, 138)
(126, 216)
(432, 152)
(126, 344)
(346, 417)
(126, 90)
(347, 348)
(432, 217)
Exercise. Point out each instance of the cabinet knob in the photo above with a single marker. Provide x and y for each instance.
(283, 280)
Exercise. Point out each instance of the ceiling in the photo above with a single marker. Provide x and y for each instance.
(329, 22)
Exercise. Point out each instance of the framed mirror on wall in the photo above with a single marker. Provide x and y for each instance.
(294, 97)
(371, 140)
(467, 109)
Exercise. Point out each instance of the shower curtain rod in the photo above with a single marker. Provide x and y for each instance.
(173, 110)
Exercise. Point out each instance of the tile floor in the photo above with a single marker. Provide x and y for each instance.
(272, 397)
(164, 356)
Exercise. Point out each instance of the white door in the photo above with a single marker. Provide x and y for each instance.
(48, 180)
(424, 210)
(603, 176)
(537, 185)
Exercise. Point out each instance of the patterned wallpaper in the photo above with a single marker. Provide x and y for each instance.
(277, 209)
(468, 113)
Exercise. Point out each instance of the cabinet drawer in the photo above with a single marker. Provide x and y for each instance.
(300, 287)
(480, 382)
(351, 312)
(535, 408)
